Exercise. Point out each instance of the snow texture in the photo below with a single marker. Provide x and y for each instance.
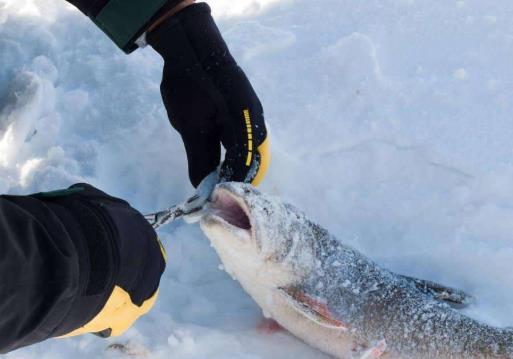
(390, 123)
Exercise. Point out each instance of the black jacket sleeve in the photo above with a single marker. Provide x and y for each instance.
(61, 255)
(124, 21)
(39, 272)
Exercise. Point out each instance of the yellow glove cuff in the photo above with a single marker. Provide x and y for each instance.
(264, 151)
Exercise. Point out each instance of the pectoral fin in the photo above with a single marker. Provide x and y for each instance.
(313, 309)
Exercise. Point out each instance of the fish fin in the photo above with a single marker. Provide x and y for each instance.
(314, 309)
(269, 326)
(454, 297)
(375, 352)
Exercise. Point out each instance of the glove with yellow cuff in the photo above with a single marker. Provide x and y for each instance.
(73, 262)
(209, 99)
(128, 273)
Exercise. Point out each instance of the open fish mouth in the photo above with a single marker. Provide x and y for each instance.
(230, 210)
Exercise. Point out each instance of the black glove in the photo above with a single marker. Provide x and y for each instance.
(209, 99)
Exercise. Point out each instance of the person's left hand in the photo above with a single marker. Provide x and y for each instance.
(209, 99)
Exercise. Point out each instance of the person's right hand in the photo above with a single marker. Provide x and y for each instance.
(209, 99)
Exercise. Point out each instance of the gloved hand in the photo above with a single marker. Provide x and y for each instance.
(209, 99)
(123, 278)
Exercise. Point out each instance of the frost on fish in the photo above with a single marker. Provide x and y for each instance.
(332, 296)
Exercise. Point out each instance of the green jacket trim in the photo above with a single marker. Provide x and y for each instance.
(123, 20)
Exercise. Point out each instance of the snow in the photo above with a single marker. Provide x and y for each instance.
(390, 123)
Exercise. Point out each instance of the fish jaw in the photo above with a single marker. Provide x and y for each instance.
(228, 215)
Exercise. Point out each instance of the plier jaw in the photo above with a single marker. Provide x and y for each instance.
(190, 210)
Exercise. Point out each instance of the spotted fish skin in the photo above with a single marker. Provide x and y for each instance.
(377, 304)
(332, 296)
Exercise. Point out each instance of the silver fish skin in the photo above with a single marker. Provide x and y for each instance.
(330, 295)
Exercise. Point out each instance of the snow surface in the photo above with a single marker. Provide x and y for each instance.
(391, 126)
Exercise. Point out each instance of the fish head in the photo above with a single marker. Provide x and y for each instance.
(270, 248)
(257, 235)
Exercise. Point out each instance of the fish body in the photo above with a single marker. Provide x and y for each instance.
(330, 295)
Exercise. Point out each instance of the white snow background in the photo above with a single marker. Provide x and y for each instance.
(391, 125)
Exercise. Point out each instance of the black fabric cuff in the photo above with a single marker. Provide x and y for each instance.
(194, 33)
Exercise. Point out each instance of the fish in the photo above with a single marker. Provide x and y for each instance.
(333, 297)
